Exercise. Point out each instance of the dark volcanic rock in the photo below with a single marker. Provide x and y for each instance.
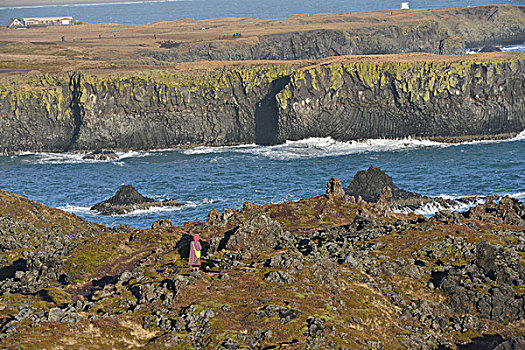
(128, 199)
(259, 233)
(273, 103)
(513, 343)
(508, 210)
(487, 284)
(101, 155)
(490, 49)
(369, 184)
(162, 224)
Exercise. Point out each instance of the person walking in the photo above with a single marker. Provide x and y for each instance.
(195, 253)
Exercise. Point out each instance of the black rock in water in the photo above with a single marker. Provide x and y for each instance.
(490, 49)
(128, 199)
(127, 195)
(369, 184)
(101, 155)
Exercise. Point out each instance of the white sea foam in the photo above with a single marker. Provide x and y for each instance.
(151, 210)
(515, 48)
(75, 158)
(431, 208)
(508, 48)
(86, 211)
(318, 147)
(326, 147)
(204, 201)
(307, 148)
(77, 209)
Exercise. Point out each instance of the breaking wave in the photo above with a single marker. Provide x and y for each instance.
(86, 211)
(326, 147)
(74, 158)
(456, 203)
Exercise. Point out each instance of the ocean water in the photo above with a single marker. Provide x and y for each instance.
(149, 12)
(224, 177)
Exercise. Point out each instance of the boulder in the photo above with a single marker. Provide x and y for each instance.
(128, 199)
(513, 343)
(214, 217)
(258, 233)
(162, 224)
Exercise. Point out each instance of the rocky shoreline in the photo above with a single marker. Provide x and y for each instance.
(327, 272)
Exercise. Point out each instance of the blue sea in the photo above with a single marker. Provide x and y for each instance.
(224, 177)
(151, 11)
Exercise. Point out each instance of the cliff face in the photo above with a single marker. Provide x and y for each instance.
(394, 100)
(37, 115)
(266, 104)
(445, 31)
(157, 110)
(166, 110)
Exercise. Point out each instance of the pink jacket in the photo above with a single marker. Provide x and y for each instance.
(194, 245)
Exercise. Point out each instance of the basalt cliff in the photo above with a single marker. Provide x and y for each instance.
(348, 98)
(438, 31)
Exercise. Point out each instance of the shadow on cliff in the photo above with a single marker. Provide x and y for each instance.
(267, 114)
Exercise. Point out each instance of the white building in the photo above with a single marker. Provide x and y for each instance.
(14, 23)
(405, 5)
(48, 21)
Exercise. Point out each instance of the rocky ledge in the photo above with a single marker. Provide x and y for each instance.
(128, 199)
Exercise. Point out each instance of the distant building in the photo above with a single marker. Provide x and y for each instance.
(48, 21)
(14, 23)
(405, 5)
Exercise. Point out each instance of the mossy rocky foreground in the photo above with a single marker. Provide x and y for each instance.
(328, 272)
(344, 98)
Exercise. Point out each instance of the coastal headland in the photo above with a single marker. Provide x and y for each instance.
(326, 272)
(233, 81)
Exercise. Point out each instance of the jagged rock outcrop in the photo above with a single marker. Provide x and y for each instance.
(425, 97)
(334, 277)
(443, 31)
(257, 234)
(334, 188)
(128, 199)
(370, 185)
(508, 210)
